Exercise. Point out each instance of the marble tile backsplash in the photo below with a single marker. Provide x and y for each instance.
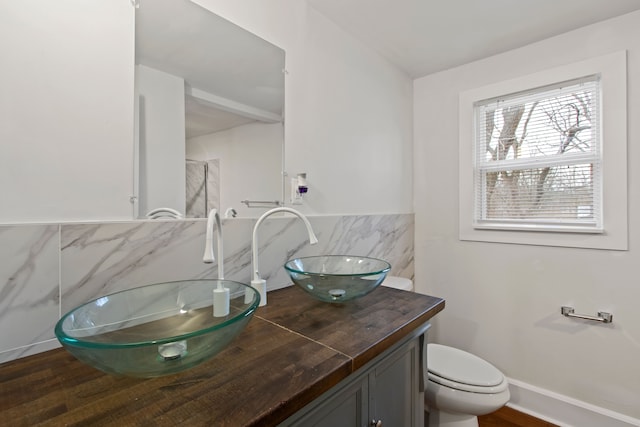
(46, 270)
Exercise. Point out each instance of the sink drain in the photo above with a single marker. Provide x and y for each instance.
(337, 293)
(172, 350)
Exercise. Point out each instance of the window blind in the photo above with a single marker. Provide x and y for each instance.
(537, 158)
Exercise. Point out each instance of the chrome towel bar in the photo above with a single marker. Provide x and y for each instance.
(261, 203)
(602, 316)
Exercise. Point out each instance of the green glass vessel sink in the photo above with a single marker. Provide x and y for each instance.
(337, 278)
(155, 330)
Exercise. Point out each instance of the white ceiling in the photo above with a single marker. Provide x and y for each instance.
(426, 36)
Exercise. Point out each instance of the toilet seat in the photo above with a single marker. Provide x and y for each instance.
(457, 369)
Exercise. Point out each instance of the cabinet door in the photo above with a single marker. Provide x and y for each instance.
(345, 408)
(389, 391)
(395, 397)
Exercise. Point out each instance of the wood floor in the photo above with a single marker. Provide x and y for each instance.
(507, 417)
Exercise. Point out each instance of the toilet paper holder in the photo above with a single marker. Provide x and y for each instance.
(602, 316)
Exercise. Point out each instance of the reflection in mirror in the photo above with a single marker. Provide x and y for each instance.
(210, 97)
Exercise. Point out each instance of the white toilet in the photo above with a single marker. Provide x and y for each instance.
(398, 283)
(461, 386)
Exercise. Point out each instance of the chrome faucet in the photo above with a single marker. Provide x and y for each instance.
(257, 282)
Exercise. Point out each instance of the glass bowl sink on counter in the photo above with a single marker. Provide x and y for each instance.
(337, 278)
(155, 330)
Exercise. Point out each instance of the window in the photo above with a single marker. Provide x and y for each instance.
(543, 158)
(537, 161)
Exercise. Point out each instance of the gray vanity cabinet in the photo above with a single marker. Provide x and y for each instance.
(388, 392)
(395, 394)
(346, 407)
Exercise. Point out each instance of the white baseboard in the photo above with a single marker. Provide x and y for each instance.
(563, 410)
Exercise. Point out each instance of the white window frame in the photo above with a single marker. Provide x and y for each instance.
(612, 70)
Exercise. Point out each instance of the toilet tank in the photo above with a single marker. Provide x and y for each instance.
(398, 283)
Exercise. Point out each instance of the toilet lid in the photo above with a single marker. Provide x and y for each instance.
(458, 369)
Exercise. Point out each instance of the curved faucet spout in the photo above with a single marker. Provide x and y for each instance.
(254, 247)
(209, 257)
(257, 282)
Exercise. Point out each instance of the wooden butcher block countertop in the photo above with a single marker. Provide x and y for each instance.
(293, 350)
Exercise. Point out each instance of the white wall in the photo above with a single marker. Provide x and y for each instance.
(161, 144)
(66, 106)
(348, 112)
(503, 301)
(250, 163)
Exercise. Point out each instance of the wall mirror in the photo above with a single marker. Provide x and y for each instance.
(209, 113)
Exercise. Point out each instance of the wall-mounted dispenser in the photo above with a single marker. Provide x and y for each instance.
(298, 188)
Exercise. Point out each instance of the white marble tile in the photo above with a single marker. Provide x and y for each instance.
(28, 350)
(195, 189)
(203, 182)
(237, 248)
(213, 185)
(100, 259)
(29, 284)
